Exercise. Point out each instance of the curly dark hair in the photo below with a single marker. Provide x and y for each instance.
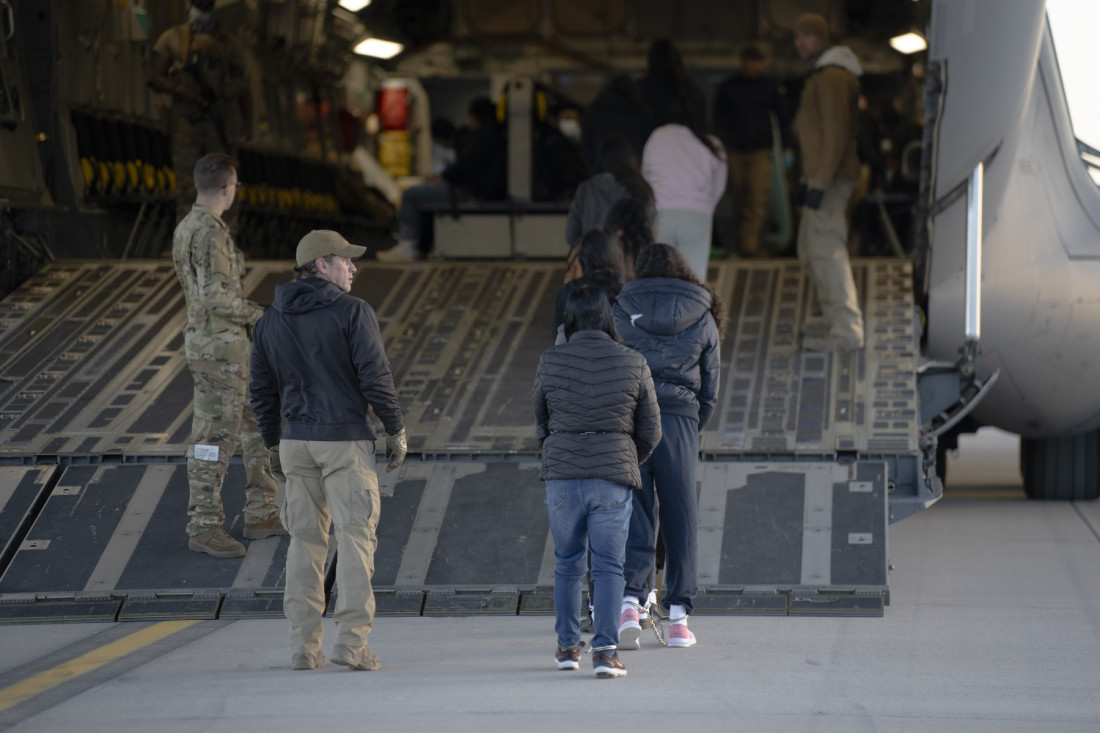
(662, 260)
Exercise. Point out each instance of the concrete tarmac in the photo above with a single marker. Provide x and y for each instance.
(994, 626)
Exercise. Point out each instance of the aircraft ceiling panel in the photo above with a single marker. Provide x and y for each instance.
(493, 18)
(722, 21)
(585, 18)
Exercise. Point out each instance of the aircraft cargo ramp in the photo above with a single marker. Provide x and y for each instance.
(807, 459)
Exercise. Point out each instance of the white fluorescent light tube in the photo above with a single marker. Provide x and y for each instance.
(908, 43)
(378, 48)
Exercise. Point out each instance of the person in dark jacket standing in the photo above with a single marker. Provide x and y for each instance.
(618, 109)
(319, 363)
(479, 172)
(597, 419)
(743, 110)
(673, 319)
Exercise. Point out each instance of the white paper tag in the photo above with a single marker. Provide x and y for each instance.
(206, 452)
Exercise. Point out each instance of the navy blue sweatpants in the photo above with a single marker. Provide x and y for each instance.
(669, 474)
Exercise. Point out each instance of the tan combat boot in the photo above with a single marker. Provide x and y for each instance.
(267, 528)
(217, 543)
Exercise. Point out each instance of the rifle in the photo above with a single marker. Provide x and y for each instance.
(209, 99)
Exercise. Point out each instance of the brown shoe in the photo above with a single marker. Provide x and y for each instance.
(360, 659)
(606, 664)
(216, 543)
(568, 657)
(267, 528)
(308, 661)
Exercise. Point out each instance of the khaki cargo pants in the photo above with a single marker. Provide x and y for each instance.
(329, 482)
(823, 252)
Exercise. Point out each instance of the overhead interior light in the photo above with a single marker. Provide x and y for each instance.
(354, 5)
(908, 43)
(378, 48)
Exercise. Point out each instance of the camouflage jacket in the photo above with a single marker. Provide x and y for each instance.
(210, 269)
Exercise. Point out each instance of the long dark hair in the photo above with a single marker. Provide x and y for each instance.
(631, 217)
(683, 113)
(601, 259)
(663, 61)
(662, 260)
(588, 309)
(617, 158)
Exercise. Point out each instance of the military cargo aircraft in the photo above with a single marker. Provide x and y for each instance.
(975, 279)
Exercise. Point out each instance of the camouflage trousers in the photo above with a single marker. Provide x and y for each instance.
(223, 422)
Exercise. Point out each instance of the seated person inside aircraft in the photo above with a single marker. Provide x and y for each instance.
(558, 160)
(479, 172)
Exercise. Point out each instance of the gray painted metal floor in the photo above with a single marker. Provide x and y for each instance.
(994, 627)
(95, 410)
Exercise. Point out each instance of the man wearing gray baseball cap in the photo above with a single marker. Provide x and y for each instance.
(319, 363)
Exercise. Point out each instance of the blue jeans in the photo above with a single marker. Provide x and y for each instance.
(599, 510)
(414, 199)
(669, 474)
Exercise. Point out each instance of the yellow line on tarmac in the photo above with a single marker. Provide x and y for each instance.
(43, 681)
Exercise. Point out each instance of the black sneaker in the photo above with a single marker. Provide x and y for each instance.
(607, 664)
(568, 657)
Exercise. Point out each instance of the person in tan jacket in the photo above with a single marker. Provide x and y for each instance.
(826, 131)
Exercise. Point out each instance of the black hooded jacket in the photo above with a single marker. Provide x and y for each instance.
(318, 361)
(669, 321)
(595, 412)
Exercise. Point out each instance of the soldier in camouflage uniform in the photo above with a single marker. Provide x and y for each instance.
(217, 343)
(201, 68)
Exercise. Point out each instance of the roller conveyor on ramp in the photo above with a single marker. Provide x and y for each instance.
(807, 459)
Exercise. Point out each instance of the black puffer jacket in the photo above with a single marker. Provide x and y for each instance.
(318, 361)
(669, 321)
(596, 410)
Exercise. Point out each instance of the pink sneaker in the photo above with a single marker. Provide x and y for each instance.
(630, 630)
(679, 635)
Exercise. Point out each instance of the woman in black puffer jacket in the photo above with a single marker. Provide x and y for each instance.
(597, 419)
(675, 321)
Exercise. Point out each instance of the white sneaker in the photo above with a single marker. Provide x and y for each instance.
(404, 251)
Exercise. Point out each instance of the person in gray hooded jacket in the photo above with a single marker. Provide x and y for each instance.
(675, 321)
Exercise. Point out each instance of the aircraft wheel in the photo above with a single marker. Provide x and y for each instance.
(1062, 468)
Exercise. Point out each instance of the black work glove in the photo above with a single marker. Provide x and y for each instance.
(396, 448)
(276, 464)
(812, 197)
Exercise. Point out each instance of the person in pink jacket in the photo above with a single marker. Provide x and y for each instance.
(687, 169)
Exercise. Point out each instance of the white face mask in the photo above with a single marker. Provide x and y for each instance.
(571, 129)
(200, 18)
